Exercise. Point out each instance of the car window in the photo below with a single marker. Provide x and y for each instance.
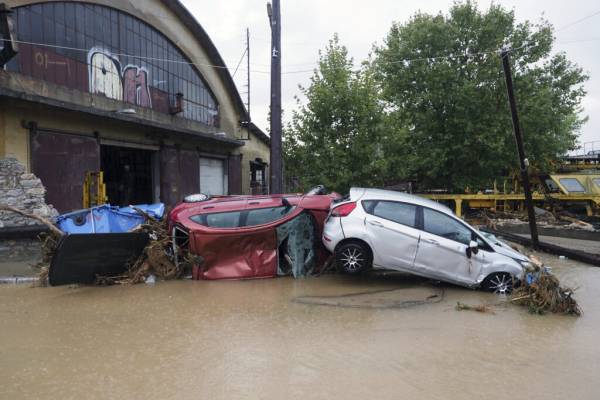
(236, 219)
(572, 185)
(265, 215)
(219, 220)
(596, 181)
(442, 225)
(401, 213)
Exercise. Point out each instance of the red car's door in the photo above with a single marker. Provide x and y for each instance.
(236, 255)
(242, 252)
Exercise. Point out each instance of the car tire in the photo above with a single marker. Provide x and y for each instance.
(353, 258)
(499, 283)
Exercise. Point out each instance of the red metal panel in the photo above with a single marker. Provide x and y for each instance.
(60, 161)
(44, 63)
(189, 172)
(235, 174)
(237, 256)
(160, 100)
(169, 176)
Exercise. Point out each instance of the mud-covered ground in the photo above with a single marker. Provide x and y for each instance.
(379, 337)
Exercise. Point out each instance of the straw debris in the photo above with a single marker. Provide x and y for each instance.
(544, 294)
(482, 308)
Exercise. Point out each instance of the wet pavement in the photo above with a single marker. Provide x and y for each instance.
(381, 337)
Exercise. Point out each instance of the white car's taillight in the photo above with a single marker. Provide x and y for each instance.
(343, 210)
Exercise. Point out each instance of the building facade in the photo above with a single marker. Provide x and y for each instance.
(135, 89)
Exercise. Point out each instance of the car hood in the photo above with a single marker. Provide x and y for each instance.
(502, 248)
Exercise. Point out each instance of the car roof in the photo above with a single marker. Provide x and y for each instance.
(381, 194)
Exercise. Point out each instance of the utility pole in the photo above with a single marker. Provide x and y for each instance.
(248, 70)
(276, 167)
(523, 162)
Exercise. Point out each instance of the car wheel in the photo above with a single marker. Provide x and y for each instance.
(499, 283)
(353, 258)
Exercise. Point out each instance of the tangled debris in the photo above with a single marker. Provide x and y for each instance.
(49, 243)
(157, 259)
(541, 292)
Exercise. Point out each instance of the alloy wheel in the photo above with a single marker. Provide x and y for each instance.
(352, 259)
(500, 284)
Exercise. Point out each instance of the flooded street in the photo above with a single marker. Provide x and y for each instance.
(383, 337)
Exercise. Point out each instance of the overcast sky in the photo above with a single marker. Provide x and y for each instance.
(307, 25)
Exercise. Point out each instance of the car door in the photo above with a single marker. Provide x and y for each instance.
(442, 251)
(391, 228)
(241, 243)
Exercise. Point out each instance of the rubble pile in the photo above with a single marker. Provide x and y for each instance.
(541, 292)
(22, 189)
(18, 188)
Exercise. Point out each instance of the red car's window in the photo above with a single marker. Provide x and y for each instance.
(265, 215)
(236, 219)
(219, 220)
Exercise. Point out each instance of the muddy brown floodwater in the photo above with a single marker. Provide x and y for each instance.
(381, 337)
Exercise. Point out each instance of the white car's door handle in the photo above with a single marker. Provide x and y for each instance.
(376, 223)
(431, 241)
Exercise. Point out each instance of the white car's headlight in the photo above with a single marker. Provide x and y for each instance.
(525, 264)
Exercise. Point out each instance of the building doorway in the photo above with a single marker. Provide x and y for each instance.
(127, 174)
(213, 179)
(258, 178)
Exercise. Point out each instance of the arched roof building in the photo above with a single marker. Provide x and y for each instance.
(136, 89)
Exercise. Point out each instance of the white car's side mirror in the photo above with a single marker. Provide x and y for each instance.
(473, 248)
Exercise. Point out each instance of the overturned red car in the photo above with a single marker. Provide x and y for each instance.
(240, 237)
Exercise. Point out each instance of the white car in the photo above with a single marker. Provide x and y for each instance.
(374, 228)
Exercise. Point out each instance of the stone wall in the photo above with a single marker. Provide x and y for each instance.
(24, 191)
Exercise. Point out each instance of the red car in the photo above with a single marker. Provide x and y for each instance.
(252, 236)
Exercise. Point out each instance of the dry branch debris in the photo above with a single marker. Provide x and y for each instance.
(482, 308)
(545, 294)
(156, 259)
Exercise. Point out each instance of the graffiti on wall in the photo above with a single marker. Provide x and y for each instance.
(107, 77)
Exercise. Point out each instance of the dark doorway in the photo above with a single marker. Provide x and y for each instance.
(127, 174)
(258, 182)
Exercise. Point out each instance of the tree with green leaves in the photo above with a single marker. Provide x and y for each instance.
(441, 77)
(340, 137)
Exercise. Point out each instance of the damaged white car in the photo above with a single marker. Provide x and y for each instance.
(372, 228)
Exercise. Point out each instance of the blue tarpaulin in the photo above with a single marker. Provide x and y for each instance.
(107, 218)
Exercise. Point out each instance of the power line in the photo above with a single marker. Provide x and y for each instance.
(240, 62)
(126, 55)
(578, 21)
(291, 72)
(145, 58)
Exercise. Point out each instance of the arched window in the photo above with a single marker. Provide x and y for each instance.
(102, 50)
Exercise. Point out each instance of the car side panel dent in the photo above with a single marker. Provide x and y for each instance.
(236, 255)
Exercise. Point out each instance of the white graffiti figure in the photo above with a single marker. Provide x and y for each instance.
(107, 78)
(105, 74)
